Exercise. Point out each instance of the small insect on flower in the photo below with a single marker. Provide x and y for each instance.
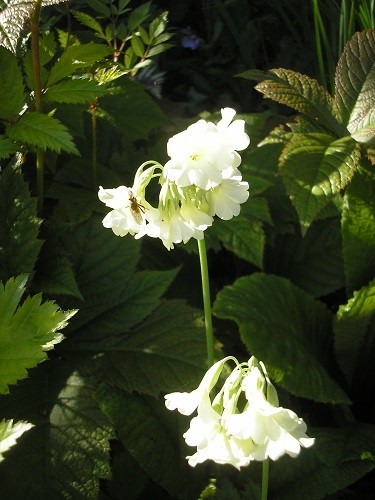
(136, 209)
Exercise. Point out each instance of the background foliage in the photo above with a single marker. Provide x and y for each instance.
(95, 329)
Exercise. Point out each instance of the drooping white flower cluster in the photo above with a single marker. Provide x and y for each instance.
(241, 421)
(200, 180)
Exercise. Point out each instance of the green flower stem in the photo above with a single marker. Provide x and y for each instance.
(265, 470)
(94, 144)
(206, 301)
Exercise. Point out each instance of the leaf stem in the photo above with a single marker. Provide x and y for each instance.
(206, 301)
(93, 107)
(265, 471)
(34, 27)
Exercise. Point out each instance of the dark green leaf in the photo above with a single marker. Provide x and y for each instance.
(315, 167)
(7, 147)
(77, 57)
(297, 333)
(244, 237)
(355, 86)
(43, 131)
(138, 16)
(358, 222)
(355, 336)
(338, 459)
(88, 21)
(19, 243)
(11, 85)
(74, 91)
(66, 454)
(138, 46)
(148, 431)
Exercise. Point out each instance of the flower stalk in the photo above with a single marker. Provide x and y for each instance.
(265, 471)
(206, 301)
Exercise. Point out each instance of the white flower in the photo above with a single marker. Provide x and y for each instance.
(129, 215)
(225, 199)
(200, 154)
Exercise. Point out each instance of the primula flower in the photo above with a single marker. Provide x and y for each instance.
(228, 435)
(200, 154)
(225, 199)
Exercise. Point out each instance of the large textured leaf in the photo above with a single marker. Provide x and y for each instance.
(74, 91)
(355, 338)
(166, 352)
(19, 245)
(244, 237)
(67, 452)
(315, 167)
(355, 86)
(11, 85)
(9, 433)
(27, 331)
(301, 93)
(337, 460)
(358, 222)
(77, 57)
(148, 431)
(43, 131)
(287, 329)
(313, 262)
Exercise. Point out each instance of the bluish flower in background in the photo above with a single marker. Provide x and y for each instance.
(190, 40)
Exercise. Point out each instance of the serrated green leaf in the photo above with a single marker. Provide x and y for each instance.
(74, 91)
(148, 431)
(137, 46)
(337, 460)
(9, 433)
(164, 353)
(88, 21)
(158, 49)
(7, 147)
(301, 93)
(129, 58)
(158, 25)
(297, 333)
(355, 338)
(138, 16)
(11, 85)
(313, 262)
(66, 454)
(19, 243)
(355, 86)
(358, 222)
(43, 131)
(244, 237)
(27, 331)
(144, 35)
(315, 167)
(76, 57)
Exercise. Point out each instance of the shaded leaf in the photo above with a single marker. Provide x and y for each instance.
(11, 85)
(355, 337)
(355, 86)
(358, 222)
(337, 460)
(19, 243)
(315, 167)
(66, 453)
(27, 331)
(43, 131)
(7, 147)
(297, 333)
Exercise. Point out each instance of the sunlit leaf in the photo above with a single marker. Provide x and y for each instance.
(9, 433)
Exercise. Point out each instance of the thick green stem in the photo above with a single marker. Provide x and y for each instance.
(265, 470)
(94, 144)
(34, 26)
(206, 301)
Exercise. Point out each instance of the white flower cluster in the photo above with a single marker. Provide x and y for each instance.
(200, 180)
(242, 422)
